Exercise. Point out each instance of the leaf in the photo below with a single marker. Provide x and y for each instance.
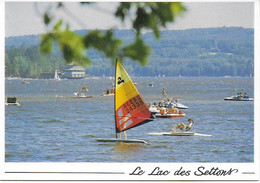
(47, 19)
(122, 10)
(137, 51)
(105, 43)
(144, 15)
(46, 43)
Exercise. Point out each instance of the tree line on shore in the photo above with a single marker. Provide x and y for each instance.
(225, 51)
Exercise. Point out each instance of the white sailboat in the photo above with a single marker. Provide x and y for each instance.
(56, 76)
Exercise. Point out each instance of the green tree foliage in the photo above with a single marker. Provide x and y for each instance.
(30, 63)
(148, 15)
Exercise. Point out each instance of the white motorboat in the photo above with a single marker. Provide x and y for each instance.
(165, 112)
(179, 105)
(239, 98)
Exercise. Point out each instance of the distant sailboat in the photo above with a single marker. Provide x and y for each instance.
(56, 76)
(130, 108)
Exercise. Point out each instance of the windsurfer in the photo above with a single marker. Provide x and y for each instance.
(124, 120)
(183, 127)
(120, 136)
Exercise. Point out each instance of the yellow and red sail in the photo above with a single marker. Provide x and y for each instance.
(130, 108)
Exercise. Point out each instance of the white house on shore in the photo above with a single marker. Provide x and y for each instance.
(74, 72)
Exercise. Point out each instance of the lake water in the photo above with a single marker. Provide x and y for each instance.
(51, 126)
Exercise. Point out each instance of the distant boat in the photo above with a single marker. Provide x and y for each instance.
(238, 98)
(179, 105)
(150, 85)
(56, 76)
(82, 96)
(130, 108)
(13, 78)
(12, 101)
(181, 130)
(107, 95)
(82, 93)
(25, 82)
(167, 109)
(162, 112)
(108, 92)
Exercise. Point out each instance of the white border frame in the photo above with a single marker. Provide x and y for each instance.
(121, 171)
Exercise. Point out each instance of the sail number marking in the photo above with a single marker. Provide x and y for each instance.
(133, 103)
(120, 80)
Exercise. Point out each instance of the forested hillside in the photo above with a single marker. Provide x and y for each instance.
(195, 52)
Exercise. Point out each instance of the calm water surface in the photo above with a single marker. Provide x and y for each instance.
(51, 126)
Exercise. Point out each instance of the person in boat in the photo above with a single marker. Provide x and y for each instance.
(164, 93)
(160, 104)
(107, 91)
(78, 94)
(175, 110)
(170, 105)
(183, 127)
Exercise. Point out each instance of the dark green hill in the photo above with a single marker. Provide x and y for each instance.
(194, 52)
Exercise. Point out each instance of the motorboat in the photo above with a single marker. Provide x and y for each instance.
(169, 103)
(162, 112)
(82, 93)
(239, 98)
(179, 105)
(12, 101)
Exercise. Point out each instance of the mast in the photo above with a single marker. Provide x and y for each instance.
(115, 98)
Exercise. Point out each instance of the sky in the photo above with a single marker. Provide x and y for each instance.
(25, 18)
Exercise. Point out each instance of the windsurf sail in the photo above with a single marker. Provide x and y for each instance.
(130, 108)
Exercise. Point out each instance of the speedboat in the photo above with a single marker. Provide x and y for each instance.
(179, 105)
(239, 98)
(161, 112)
(174, 103)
